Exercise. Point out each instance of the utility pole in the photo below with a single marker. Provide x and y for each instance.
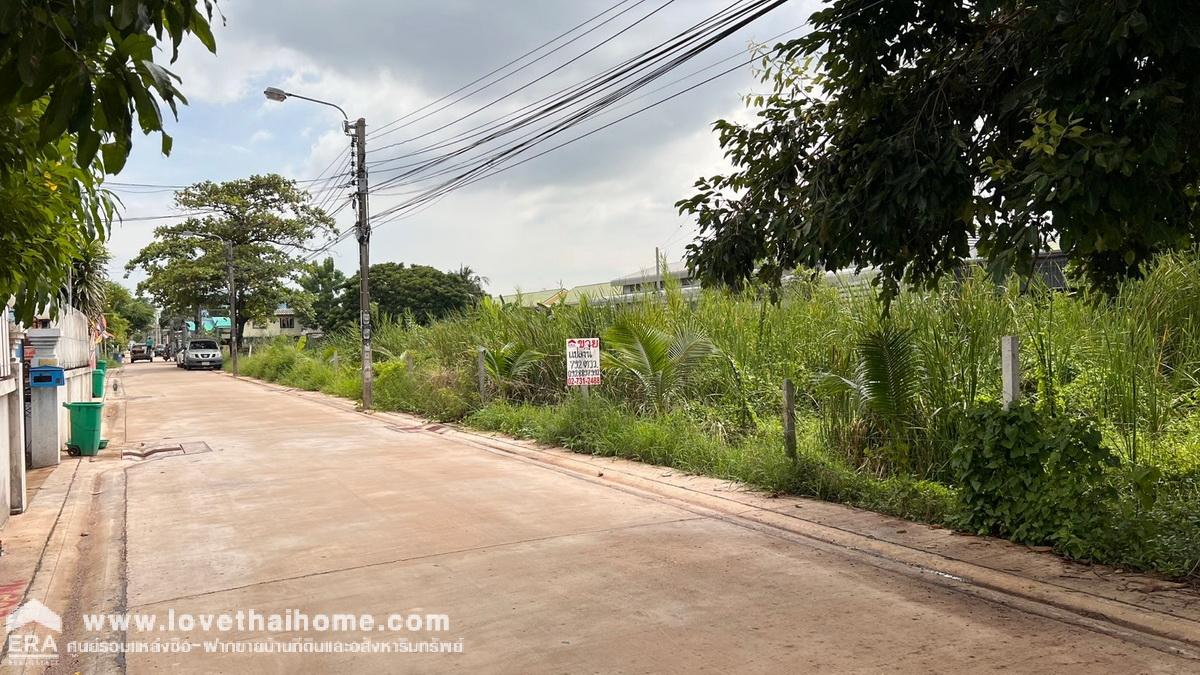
(364, 259)
(233, 350)
(363, 227)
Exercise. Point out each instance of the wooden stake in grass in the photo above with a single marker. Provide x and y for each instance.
(1010, 369)
(482, 373)
(789, 418)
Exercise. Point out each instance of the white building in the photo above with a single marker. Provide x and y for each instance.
(283, 322)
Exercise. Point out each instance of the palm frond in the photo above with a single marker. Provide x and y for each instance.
(888, 373)
(662, 364)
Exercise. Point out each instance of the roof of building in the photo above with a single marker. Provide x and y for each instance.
(678, 270)
(211, 323)
(549, 296)
(592, 292)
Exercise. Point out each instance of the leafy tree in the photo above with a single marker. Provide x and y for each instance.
(127, 316)
(50, 212)
(323, 284)
(89, 279)
(895, 133)
(422, 291)
(93, 63)
(267, 219)
(73, 75)
(473, 279)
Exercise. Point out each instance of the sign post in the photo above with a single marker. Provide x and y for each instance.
(583, 363)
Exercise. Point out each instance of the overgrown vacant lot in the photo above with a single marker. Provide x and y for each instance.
(898, 413)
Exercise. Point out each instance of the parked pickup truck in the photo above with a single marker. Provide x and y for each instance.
(199, 353)
(140, 353)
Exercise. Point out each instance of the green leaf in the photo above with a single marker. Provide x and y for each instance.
(114, 154)
(89, 143)
(203, 32)
(63, 101)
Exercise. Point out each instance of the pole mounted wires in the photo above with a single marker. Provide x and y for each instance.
(475, 143)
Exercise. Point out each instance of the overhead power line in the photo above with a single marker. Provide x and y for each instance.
(583, 103)
(625, 103)
(384, 130)
(165, 216)
(589, 97)
(537, 79)
(439, 192)
(499, 161)
(575, 105)
(693, 40)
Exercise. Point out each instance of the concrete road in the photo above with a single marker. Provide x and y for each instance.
(307, 508)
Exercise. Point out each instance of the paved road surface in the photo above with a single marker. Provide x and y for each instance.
(302, 505)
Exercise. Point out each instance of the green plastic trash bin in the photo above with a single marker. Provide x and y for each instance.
(101, 364)
(85, 427)
(98, 383)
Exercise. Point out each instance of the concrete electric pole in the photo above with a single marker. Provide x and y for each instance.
(362, 226)
(364, 258)
(233, 350)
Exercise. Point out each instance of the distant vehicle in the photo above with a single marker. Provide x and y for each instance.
(199, 353)
(160, 351)
(140, 353)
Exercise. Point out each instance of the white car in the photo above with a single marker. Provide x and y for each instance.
(199, 353)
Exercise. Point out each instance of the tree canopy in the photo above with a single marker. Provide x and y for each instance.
(267, 219)
(323, 285)
(896, 134)
(73, 75)
(422, 291)
(126, 315)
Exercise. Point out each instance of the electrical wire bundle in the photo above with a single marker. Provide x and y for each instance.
(432, 171)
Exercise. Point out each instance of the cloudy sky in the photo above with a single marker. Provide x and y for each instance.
(589, 212)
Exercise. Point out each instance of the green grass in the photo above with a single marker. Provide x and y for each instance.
(599, 427)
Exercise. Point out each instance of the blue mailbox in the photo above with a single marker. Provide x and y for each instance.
(47, 376)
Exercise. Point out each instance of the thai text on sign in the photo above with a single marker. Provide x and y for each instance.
(583, 362)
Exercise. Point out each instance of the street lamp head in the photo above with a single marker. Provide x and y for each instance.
(275, 94)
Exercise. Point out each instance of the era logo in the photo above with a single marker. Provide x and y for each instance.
(29, 645)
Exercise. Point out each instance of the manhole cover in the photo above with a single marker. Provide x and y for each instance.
(430, 427)
(162, 451)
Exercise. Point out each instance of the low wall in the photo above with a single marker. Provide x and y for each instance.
(10, 395)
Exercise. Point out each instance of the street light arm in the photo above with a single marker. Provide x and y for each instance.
(317, 100)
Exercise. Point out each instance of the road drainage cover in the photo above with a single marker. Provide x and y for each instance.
(144, 451)
(420, 428)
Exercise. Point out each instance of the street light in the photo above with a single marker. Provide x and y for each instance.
(362, 225)
(277, 94)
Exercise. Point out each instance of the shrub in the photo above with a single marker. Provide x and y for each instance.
(1032, 477)
(439, 396)
(1152, 525)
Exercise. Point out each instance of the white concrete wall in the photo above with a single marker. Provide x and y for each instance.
(12, 419)
(9, 389)
(67, 344)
